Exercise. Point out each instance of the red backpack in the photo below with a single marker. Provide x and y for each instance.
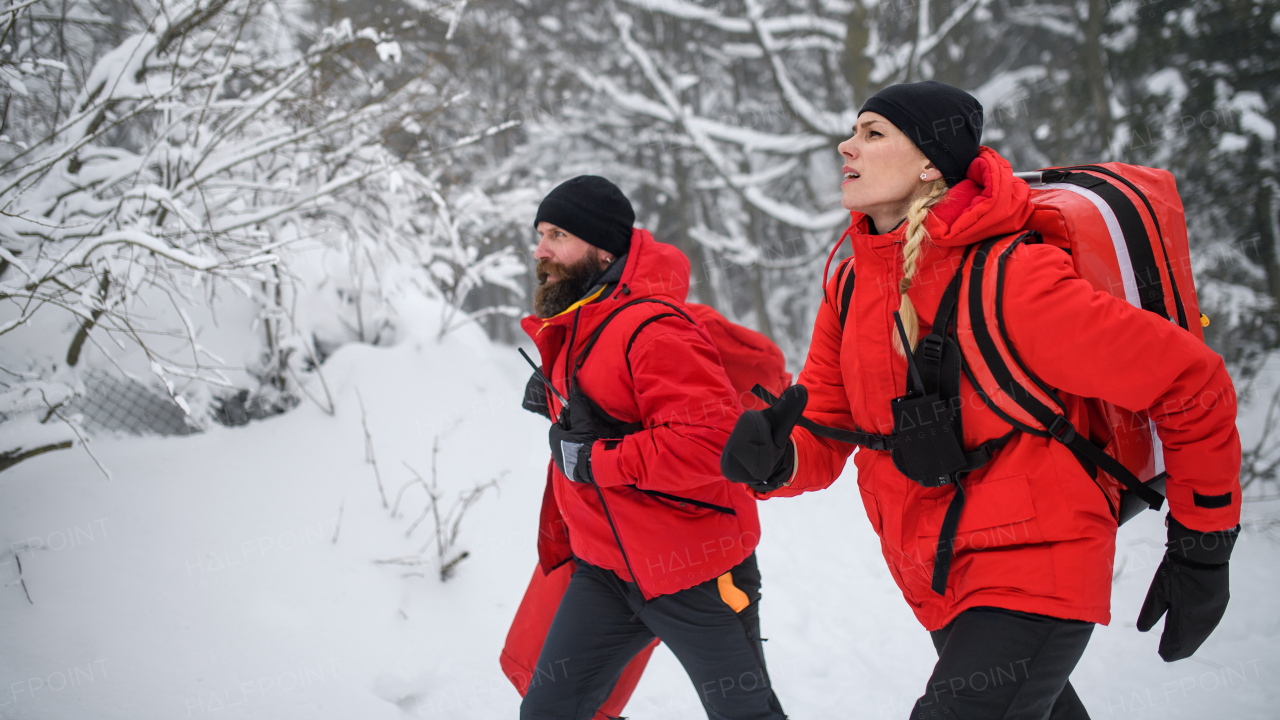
(1126, 232)
(749, 359)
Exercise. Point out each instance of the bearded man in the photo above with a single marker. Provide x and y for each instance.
(664, 545)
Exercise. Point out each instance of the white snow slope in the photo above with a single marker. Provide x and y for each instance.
(203, 580)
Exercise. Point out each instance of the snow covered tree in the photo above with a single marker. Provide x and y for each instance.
(722, 123)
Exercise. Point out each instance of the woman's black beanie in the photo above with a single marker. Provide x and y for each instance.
(592, 208)
(945, 122)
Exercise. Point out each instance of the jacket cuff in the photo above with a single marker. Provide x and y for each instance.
(1205, 548)
(606, 464)
(1204, 511)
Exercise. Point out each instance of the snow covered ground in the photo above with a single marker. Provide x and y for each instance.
(204, 581)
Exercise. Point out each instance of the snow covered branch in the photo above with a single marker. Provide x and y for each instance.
(682, 119)
(818, 121)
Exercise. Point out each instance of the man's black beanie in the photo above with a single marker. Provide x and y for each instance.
(945, 122)
(592, 208)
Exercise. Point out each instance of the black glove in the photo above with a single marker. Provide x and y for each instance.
(572, 453)
(571, 437)
(1192, 585)
(758, 451)
(535, 396)
(581, 424)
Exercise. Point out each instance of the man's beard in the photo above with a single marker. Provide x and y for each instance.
(572, 282)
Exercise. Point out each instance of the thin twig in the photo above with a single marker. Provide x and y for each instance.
(21, 579)
(83, 442)
(416, 480)
(435, 497)
(403, 560)
(338, 525)
(1262, 451)
(368, 449)
(328, 410)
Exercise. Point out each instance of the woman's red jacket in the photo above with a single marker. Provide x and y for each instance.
(1036, 533)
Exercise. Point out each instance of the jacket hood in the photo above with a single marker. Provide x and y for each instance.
(654, 269)
(649, 269)
(990, 201)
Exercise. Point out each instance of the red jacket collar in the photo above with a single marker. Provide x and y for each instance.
(989, 202)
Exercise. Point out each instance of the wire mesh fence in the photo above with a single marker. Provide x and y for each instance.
(121, 404)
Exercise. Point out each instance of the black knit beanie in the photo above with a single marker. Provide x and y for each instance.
(945, 122)
(592, 208)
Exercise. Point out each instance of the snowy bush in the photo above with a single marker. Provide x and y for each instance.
(217, 182)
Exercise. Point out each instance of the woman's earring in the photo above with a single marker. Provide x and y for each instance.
(921, 176)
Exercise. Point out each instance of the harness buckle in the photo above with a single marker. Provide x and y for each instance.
(931, 348)
(1062, 430)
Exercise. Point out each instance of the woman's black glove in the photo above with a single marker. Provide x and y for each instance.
(1192, 585)
(758, 452)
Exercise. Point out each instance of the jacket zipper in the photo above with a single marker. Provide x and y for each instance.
(568, 357)
(618, 538)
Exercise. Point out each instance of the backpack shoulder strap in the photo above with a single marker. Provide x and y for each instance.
(644, 324)
(844, 286)
(590, 344)
(1014, 392)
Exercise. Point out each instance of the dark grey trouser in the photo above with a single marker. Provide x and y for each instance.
(996, 664)
(602, 623)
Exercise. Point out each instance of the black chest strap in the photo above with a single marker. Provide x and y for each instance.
(862, 438)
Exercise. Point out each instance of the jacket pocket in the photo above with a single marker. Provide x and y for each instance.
(684, 502)
(999, 543)
(997, 513)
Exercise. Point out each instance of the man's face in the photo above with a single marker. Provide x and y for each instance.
(560, 247)
(567, 268)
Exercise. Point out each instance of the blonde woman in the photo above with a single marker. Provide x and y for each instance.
(1010, 603)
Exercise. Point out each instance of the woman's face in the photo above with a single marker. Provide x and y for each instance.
(882, 171)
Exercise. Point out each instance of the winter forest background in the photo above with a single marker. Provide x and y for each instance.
(211, 212)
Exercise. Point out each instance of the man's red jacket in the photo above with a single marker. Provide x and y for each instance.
(1036, 533)
(660, 506)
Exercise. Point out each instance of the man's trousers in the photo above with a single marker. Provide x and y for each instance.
(602, 622)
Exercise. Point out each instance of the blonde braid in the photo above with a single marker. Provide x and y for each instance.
(911, 250)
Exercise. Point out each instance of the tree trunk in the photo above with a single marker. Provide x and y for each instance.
(1095, 68)
(1264, 215)
(856, 65)
(687, 218)
(759, 300)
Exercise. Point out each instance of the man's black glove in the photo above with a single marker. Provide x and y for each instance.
(535, 396)
(571, 448)
(758, 452)
(581, 424)
(1192, 585)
